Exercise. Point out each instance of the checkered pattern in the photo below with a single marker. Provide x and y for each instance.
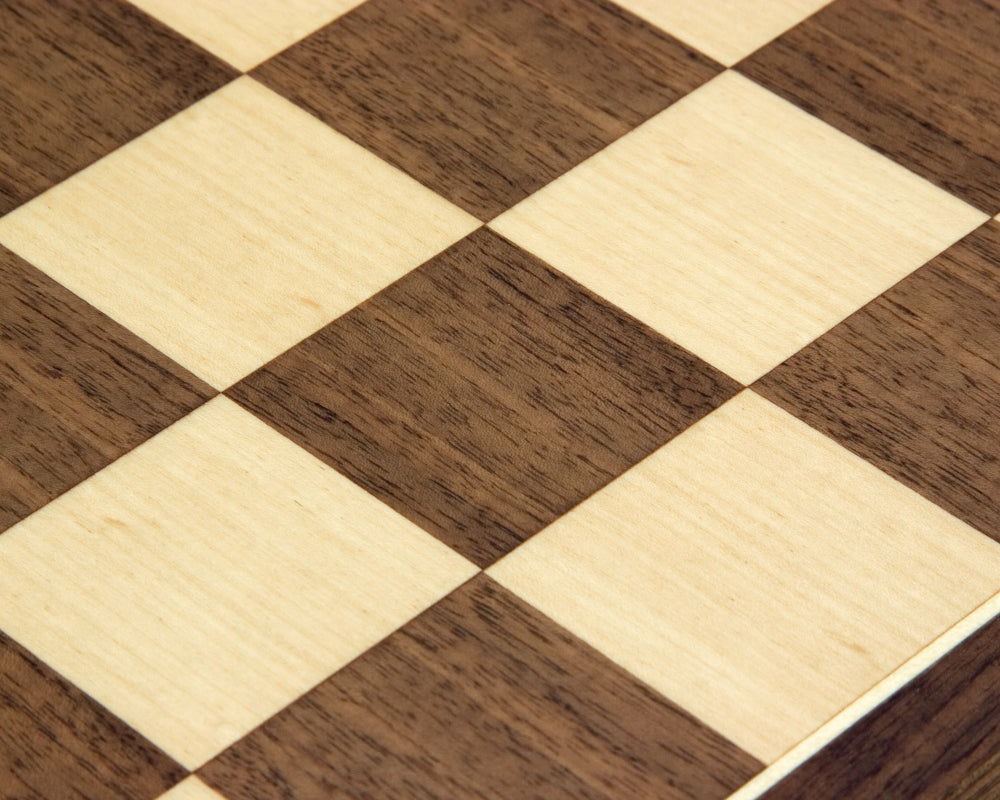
(463, 399)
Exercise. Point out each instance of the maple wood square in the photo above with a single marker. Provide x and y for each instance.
(79, 79)
(486, 102)
(738, 225)
(233, 230)
(483, 395)
(757, 573)
(212, 575)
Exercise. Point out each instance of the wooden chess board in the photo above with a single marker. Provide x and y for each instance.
(417, 399)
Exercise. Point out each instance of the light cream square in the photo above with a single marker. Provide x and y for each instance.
(726, 30)
(738, 225)
(756, 573)
(191, 789)
(211, 576)
(246, 32)
(233, 230)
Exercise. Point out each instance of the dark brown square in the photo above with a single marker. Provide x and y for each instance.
(77, 389)
(911, 382)
(482, 696)
(79, 79)
(483, 395)
(56, 743)
(485, 101)
(917, 80)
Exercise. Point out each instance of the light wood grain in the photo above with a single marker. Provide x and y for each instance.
(738, 225)
(233, 230)
(726, 30)
(191, 789)
(756, 573)
(245, 33)
(916, 80)
(209, 577)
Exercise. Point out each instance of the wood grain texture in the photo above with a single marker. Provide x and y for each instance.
(485, 102)
(910, 382)
(58, 744)
(938, 738)
(212, 575)
(191, 789)
(481, 697)
(79, 79)
(245, 32)
(726, 30)
(483, 395)
(722, 223)
(756, 573)
(918, 80)
(76, 389)
(233, 230)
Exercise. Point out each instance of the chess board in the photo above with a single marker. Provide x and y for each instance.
(500, 399)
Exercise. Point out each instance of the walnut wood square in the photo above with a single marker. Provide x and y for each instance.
(77, 389)
(483, 394)
(481, 696)
(937, 738)
(911, 381)
(58, 744)
(486, 102)
(917, 80)
(79, 79)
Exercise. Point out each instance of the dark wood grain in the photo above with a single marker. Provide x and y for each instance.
(911, 382)
(918, 80)
(938, 738)
(79, 79)
(482, 697)
(483, 395)
(981, 781)
(56, 743)
(486, 101)
(77, 389)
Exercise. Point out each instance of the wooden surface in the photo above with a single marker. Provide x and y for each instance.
(721, 222)
(755, 572)
(299, 579)
(918, 80)
(288, 359)
(501, 718)
(245, 32)
(78, 80)
(483, 438)
(486, 102)
(191, 789)
(77, 389)
(58, 744)
(910, 382)
(307, 224)
(726, 30)
(938, 738)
